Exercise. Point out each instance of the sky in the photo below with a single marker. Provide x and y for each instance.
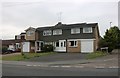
(18, 15)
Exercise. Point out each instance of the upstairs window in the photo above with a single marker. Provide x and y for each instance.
(57, 32)
(18, 37)
(29, 33)
(87, 30)
(47, 33)
(75, 30)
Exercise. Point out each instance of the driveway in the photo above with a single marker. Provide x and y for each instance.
(58, 57)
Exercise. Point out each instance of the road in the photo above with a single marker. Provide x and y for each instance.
(62, 65)
(22, 70)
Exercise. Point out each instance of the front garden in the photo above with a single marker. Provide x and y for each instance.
(25, 56)
(96, 55)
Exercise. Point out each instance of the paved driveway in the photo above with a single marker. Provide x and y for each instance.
(58, 57)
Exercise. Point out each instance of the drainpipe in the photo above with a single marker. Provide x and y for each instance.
(22, 48)
(35, 40)
(66, 45)
(35, 46)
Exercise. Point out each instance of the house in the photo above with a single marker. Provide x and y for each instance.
(80, 37)
(14, 44)
(29, 44)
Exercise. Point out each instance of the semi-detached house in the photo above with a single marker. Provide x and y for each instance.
(80, 37)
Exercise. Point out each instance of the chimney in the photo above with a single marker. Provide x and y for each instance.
(59, 24)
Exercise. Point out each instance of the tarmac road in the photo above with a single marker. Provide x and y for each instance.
(62, 65)
(21, 70)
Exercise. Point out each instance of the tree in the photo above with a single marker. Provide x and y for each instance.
(112, 38)
(102, 43)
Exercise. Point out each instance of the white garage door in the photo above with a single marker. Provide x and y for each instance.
(26, 46)
(86, 46)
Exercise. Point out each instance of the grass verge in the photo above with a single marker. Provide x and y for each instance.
(96, 55)
(25, 56)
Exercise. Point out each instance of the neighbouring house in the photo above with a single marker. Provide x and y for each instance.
(29, 44)
(14, 44)
(80, 37)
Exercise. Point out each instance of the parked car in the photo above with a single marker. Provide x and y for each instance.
(5, 50)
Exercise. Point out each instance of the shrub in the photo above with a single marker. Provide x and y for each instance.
(4, 49)
(96, 55)
(48, 48)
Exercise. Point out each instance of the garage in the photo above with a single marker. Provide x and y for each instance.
(26, 46)
(87, 46)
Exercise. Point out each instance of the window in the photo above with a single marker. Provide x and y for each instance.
(17, 45)
(18, 37)
(61, 44)
(87, 30)
(22, 37)
(29, 33)
(64, 44)
(73, 43)
(57, 44)
(75, 30)
(47, 33)
(57, 32)
(38, 46)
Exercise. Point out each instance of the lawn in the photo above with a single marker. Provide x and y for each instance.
(96, 55)
(25, 56)
(0, 57)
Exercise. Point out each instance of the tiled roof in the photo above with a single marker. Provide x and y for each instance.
(9, 42)
(67, 26)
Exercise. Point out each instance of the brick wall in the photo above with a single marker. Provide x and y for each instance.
(74, 49)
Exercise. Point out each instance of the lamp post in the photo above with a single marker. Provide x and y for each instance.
(110, 24)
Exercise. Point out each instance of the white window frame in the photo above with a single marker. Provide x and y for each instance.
(57, 32)
(30, 32)
(87, 28)
(75, 30)
(47, 32)
(74, 43)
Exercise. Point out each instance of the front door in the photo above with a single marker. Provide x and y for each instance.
(60, 46)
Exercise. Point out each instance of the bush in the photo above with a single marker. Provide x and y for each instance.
(96, 55)
(48, 48)
(4, 49)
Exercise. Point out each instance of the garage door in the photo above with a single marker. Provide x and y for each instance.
(26, 46)
(86, 46)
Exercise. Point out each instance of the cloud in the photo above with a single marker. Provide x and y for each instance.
(18, 16)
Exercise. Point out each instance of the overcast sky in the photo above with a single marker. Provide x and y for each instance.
(19, 15)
